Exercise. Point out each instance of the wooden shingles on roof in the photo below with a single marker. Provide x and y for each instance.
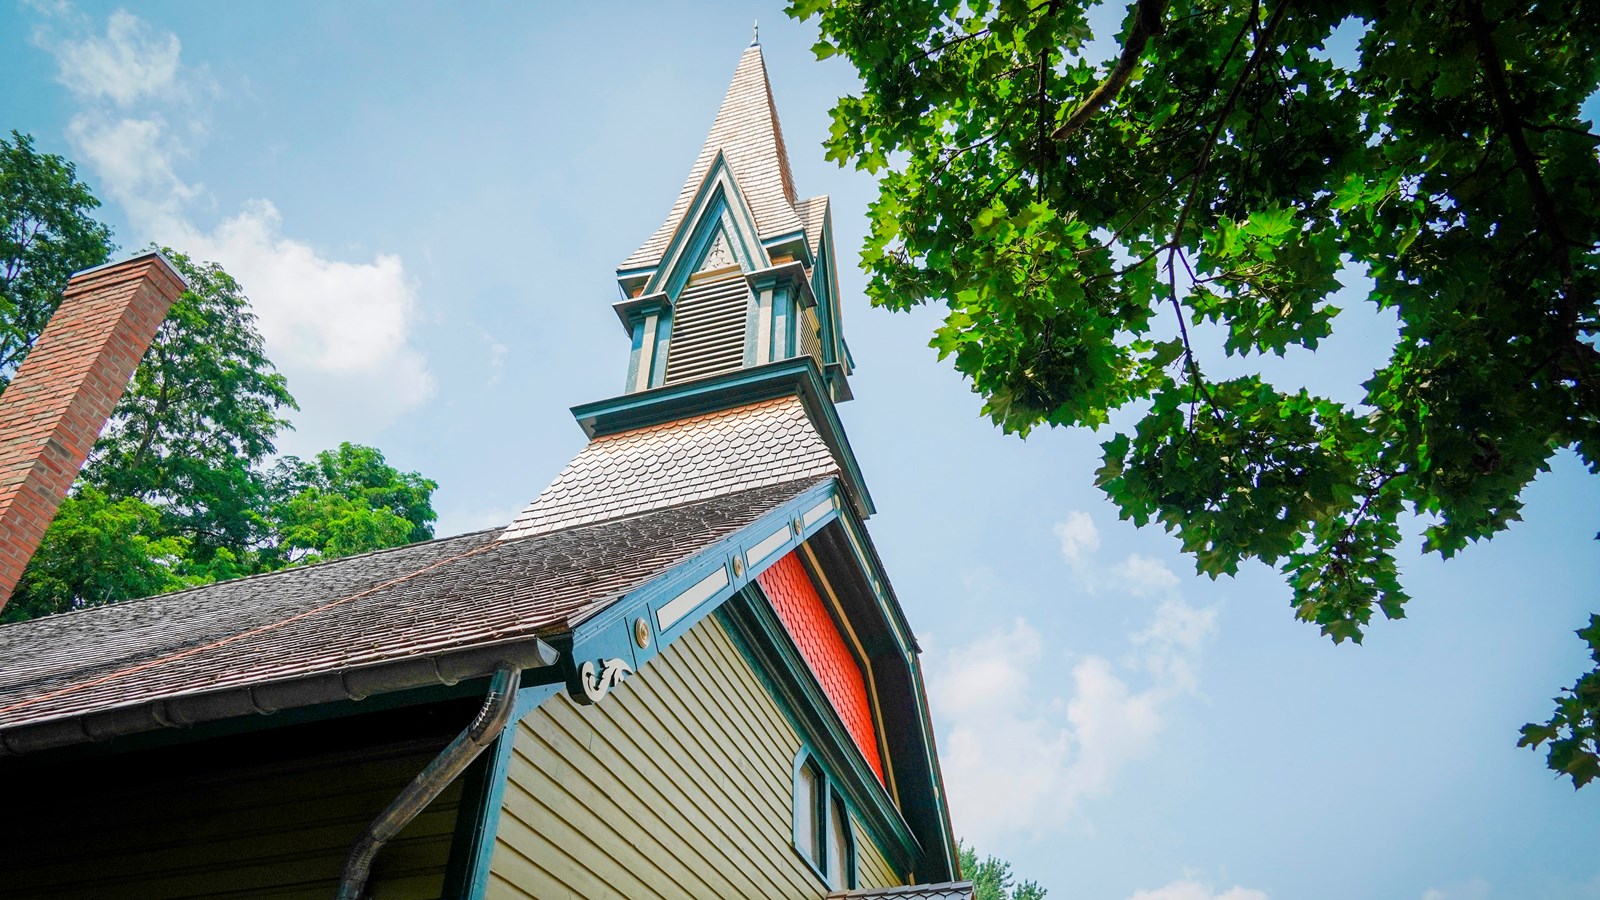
(765, 442)
(747, 132)
(421, 602)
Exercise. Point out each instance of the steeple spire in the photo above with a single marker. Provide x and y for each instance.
(755, 34)
(747, 132)
(741, 274)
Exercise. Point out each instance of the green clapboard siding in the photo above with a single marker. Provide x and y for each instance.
(223, 819)
(872, 870)
(677, 785)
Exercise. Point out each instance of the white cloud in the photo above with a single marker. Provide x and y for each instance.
(1188, 889)
(496, 359)
(134, 159)
(131, 61)
(1018, 758)
(1143, 576)
(342, 332)
(1136, 574)
(1177, 627)
(1079, 538)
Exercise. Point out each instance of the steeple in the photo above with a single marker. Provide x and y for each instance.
(741, 272)
(747, 132)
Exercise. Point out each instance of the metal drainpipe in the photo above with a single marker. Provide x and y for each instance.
(492, 719)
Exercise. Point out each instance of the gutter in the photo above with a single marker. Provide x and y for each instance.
(269, 697)
(486, 726)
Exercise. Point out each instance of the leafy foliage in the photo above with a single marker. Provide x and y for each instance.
(46, 234)
(98, 550)
(199, 419)
(348, 500)
(992, 879)
(180, 489)
(1078, 219)
(1574, 731)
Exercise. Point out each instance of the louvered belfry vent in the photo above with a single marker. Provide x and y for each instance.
(708, 329)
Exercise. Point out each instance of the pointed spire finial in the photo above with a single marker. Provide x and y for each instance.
(755, 34)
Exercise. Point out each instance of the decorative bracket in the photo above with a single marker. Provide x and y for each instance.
(611, 674)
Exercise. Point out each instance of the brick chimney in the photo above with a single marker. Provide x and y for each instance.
(66, 389)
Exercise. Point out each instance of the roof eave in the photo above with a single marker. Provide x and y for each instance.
(265, 698)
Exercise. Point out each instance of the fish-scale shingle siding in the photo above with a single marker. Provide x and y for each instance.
(765, 443)
(806, 618)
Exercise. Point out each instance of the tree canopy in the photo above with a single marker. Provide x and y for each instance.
(47, 232)
(992, 879)
(1081, 218)
(184, 486)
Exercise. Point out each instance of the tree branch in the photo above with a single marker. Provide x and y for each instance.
(1262, 43)
(1146, 24)
(1494, 73)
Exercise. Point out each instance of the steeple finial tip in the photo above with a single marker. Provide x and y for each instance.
(755, 34)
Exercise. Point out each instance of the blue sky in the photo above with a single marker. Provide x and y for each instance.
(427, 204)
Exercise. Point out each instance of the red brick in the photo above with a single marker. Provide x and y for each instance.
(65, 390)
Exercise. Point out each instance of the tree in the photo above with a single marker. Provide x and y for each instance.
(345, 501)
(180, 489)
(98, 550)
(992, 879)
(1223, 172)
(200, 417)
(46, 234)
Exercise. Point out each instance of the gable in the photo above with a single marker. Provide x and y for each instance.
(816, 635)
(678, 785)
(717, 212)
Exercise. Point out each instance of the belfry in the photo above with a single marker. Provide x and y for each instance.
(741, 272)
(679, 672)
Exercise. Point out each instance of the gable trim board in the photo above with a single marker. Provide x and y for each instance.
(762, 640)
(718, 205)
(709, 579)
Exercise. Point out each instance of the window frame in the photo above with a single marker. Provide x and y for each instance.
(828, 803)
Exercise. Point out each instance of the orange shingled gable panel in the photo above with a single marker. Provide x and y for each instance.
(806, 618)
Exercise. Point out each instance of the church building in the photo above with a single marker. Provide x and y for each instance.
(680, 672)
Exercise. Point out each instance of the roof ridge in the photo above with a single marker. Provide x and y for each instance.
(692, 501)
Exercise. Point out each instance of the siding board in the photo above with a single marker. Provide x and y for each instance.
(678, 785)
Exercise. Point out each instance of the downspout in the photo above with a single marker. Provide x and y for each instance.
(492, 719)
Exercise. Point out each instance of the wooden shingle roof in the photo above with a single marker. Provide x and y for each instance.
(219, 650)
(757, 444)
(746, 130)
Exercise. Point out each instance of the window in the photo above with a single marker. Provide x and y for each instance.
(840, 865)
(808, 813)
(822, 832)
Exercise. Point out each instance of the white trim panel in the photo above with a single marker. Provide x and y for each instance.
(670, 613)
